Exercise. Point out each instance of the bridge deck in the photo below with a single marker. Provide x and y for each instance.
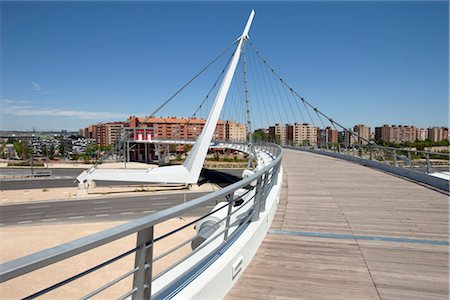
(344, 231)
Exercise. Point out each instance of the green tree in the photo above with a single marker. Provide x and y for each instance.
(22, 149)
(51, 152)
(260, 136)
(186, 148)
(62, 149)
(44, 150)
(18, 148)
(91, 150)
(172, 148)
(86, 158)
(107, 148)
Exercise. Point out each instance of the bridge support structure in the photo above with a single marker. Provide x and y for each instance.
(189, 172)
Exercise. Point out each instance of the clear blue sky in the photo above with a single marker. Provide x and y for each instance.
(66, 65)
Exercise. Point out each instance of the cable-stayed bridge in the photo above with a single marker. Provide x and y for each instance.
(335, 220)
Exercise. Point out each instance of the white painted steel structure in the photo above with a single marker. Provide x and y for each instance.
(189, 172)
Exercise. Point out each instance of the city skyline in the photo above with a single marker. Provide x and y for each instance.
(168, 118)
(105, 61)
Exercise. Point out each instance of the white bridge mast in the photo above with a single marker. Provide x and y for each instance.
(189, 172)
(194, 161)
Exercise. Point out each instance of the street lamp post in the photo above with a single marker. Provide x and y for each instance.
(32, 160)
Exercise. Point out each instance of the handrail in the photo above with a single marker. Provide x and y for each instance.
(58, 253)
(424, 170)
(408, 150)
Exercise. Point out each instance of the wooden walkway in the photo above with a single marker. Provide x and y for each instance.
(345, 231)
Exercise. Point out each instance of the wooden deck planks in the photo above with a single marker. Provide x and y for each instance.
(327, 195)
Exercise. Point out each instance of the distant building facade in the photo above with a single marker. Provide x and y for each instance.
(437, 134)
(114, 131)
(422, 134)
(327, 136)
(349, 139)
(278, 133)
(396, 133)
(104, 133)
(304, 134)
(235, 131)
(177, 128)
(363, 133)
(146, 129)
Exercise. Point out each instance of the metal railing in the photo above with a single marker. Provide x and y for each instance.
(236, 206)
(422, 161)
(416, 160)
(423, 167)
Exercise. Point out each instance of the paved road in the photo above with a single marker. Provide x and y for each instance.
(100, 209)
(117, 208)
(66, 178)
(56, 172)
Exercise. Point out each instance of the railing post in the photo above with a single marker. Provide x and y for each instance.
(274, 178)
(230, 198)
(428, 163)
(128, 151)
(257, 199)
(143, 261)
(265, 191)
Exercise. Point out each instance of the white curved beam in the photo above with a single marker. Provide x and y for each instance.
(189, 172)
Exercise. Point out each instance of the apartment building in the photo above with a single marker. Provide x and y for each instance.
(437, 134)
(278, 133)
(396, 133)
(170, 128)
(104, 133)
(303, 134)
(327, 136)
(235, 131)
(114, 131)
(421, 134)
(363, 133)
(349, 139)
(405, 133)
(177, 128)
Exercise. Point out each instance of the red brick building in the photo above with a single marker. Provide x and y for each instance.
(177, 128)
(105, 133)
(151, 128)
